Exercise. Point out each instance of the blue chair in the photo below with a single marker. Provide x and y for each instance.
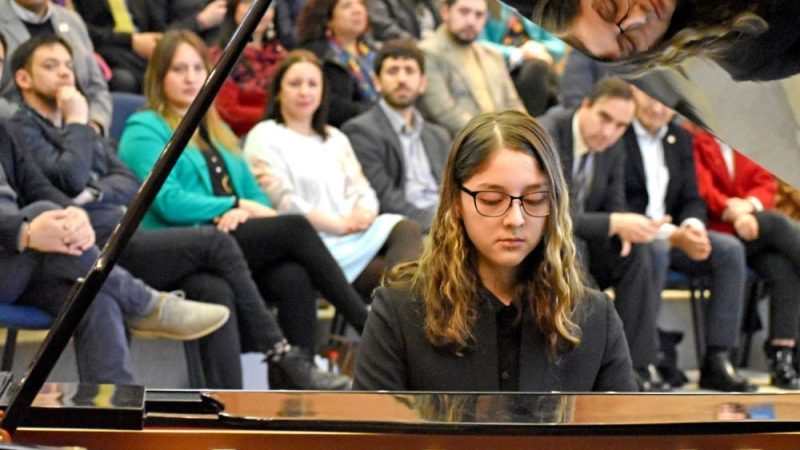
(17, 317)
(124, 105)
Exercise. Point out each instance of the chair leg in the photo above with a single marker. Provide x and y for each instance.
(751, 322)
(9, 349)
(696, 299)
(194, 364)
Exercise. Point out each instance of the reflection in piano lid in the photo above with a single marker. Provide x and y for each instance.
(745, 91)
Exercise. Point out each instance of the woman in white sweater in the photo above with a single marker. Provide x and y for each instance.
(307, 167)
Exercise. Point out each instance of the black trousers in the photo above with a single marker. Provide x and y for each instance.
(292, 268)
(775, 257)
(209, 266)
(636, 298)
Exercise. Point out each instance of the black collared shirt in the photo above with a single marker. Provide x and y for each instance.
(509, 338)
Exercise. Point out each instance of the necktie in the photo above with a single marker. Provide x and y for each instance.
(122, 18)
(582, 180)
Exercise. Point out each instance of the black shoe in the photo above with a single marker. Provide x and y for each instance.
(293, 370)
(781, 368)
(649, 380)
(718, 374)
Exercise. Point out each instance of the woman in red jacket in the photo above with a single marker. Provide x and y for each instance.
(242, 100)
(740, 197)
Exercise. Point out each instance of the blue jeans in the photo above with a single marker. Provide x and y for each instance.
(44, 280)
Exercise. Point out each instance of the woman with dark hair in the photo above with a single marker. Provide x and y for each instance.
(336, 31)
(211, 184)
(496, 297)
(307, 167)
(752, 40)
(242, 99)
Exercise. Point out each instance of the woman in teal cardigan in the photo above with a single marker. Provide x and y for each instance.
(212, 185)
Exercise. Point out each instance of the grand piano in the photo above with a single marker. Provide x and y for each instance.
(132, 417)
(108, 417)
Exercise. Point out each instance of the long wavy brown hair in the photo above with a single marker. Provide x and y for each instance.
(711, 31)
(446, 276)
(157, 69)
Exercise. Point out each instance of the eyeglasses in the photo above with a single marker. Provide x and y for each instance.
(496, 204)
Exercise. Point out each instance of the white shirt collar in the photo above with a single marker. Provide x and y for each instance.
(29, 16)
(642, 132)
(579, 146)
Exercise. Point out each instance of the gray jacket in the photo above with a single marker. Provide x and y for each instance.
(381, 156)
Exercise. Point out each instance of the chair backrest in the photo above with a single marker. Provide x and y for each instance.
(125, 104)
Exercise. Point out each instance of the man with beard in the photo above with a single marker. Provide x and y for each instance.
(464, 77)
(401, 153)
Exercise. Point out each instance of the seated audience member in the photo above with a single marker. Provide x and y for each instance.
(117, 40)
(242, 99)
(660, 182)
(309, 168)
(606, 235)
(496, 302)
(402, 154)
(580, 74)
(211, 184)
(465, 78)
(740, 197)
(336, 31)
(530, 53)
(51, 126)
(21, 19)
(199, 16)
(44, 249)
(394, 19)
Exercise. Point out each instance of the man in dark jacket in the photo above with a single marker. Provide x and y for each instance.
(660, 181)
(608, 237)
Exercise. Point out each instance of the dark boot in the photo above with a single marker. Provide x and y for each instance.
(649, 380)
(294, 370)
(782, 372)
(718, 374)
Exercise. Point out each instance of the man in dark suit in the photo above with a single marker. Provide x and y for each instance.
(606, 235)
(660, 181)
(401, 153)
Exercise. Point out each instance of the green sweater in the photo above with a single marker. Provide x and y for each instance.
(186, 198)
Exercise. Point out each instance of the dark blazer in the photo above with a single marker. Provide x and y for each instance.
(344, 98)
(100, 22)
(115, 47)
(683, 198)
(161, 15)
(392, 19)
(394, 353)
(27, 181)
(607, 192)
(381, 156)
(76, 157)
